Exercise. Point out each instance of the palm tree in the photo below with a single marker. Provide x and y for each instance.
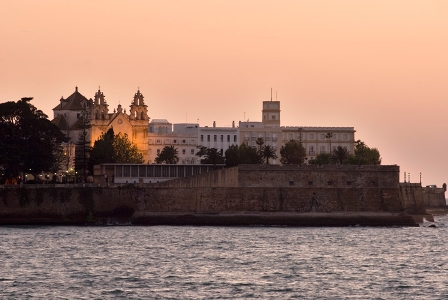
(168, 155)
(329, 136)
(340, 154)
(268, 152)
(260, 143)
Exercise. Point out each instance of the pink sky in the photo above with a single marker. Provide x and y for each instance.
(379, 66)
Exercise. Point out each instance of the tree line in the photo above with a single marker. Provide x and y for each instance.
(292, 152)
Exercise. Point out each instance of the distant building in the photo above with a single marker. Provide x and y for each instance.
(184, 139)
(314, 139)
(151, 137)
(68, 116)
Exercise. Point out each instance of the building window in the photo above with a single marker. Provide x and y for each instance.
(290, 136)
(222, 138)
(291, 182)
(175, 142)
(202, 138)
(273, 117)
(214, 138)
(349, 183)
(310, 183)
(345, 136)
(234, 138)
(330, 183)
(158, 151)
(311, 149)
(192, 151)
(184, 141)
(183, 151)
(322, 136)
(228, 138)
(208, 137)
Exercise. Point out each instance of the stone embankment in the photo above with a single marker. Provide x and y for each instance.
(248, 195)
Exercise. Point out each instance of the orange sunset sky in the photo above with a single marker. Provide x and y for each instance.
(379, 66)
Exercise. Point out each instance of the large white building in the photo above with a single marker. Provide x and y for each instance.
(187, 137)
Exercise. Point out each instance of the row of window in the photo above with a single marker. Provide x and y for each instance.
(221, 138)
(172, 142)
(323, 148)
(311, 136)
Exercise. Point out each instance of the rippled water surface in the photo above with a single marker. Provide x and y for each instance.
(164, 262)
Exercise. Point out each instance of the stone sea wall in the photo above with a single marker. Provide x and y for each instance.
(434, 197)
(372, 197)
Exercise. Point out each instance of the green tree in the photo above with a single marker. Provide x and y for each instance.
(321, 159)
(125, 151)
(340, 154)
(168, 155)
(365, 155)
(213, 157)
(372, 156)
(249, 155)
(29, 142)
(293, 152)
(268, 152)
(232, 156)
(113, 148)
(103, 150)
(241, 154)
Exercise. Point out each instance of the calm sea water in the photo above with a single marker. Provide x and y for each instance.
(165, 262)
